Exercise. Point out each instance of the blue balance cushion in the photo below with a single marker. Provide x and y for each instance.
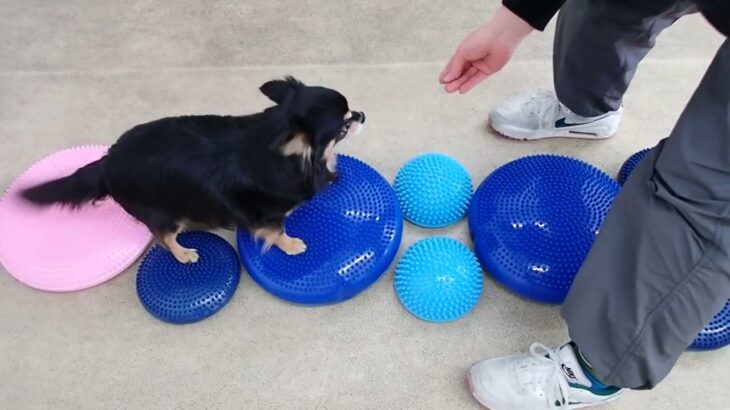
(438, 280)
(433, 190)
(352, 230)
(717, 333)
(630, 164)
(534, 220)
(184, 293)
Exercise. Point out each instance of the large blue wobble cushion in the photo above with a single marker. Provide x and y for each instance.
(352, 229)
(534, 220)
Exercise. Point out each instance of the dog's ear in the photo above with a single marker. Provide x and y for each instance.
(280, 91)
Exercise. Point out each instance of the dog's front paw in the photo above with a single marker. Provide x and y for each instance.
(187, 256)
(293, 246)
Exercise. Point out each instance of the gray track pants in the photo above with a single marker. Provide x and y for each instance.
(660, 268)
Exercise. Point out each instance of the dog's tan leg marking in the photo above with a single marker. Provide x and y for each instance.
(330, 157)
(182, 254)
(271, 236)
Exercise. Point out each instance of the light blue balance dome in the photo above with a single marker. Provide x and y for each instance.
(534, 220)
(433, 190)
(438, 280)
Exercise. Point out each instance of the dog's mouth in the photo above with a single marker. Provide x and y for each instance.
(353, 124)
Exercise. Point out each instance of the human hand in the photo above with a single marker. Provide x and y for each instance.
(484, 51)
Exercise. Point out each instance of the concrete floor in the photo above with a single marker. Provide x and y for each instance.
(81, 72)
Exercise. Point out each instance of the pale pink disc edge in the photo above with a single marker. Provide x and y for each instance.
(72, 286)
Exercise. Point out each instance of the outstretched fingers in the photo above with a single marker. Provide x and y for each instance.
(454, 86)
(453, 69)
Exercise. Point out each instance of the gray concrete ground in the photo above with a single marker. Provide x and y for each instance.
(83, 71)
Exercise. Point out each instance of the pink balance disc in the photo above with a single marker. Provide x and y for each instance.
(61, 250)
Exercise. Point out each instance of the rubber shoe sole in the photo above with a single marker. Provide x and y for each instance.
(593, 131)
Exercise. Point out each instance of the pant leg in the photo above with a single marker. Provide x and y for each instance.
(660, 267)
(598, 45)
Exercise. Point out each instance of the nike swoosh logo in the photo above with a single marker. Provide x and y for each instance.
(570, 403)
(562, 124)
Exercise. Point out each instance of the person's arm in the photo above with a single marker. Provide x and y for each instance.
(487, 49)
(537, 13)
(484, 51)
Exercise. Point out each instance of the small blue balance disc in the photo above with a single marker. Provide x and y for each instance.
(352, 230)
(534, 220)
(185, 293)
(630, 164)
(717, 333)
(438, 280)
(433, 190)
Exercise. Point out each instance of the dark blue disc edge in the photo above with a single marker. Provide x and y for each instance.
(520, 288)
(242, 237)
(630, 164)
(705, 342)
(699, 344)
(234, 287)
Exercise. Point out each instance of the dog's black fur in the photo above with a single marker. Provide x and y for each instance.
(215, 170)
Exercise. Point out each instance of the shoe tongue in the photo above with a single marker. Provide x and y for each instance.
(572, 368)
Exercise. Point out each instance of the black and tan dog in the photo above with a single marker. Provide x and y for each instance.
(219, 171)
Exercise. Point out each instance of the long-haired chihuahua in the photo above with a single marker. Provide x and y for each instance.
(219, 171)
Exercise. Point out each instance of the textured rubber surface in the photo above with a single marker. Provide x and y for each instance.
(185, 293)
(630, 164)
(61, 250)
(438, 280)
(352, 230)
(717, 333)
(433, 190)
(534, 220)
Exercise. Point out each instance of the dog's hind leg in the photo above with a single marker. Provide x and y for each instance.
(182, 254)
(165, 230)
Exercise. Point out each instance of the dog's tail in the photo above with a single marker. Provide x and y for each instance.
(83, 186)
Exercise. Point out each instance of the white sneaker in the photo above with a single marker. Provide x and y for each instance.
(544, 379)
(539, 115)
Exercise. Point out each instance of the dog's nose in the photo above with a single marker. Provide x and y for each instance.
(358, 116)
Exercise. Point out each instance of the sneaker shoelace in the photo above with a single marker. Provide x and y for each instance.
(542, 372)
(544, 102)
